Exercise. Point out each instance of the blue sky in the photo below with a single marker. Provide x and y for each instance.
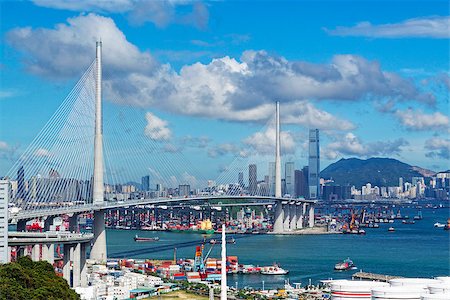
(198, 79)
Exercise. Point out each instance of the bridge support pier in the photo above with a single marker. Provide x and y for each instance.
(83, 266)
(299, 210)
(286, 217)
(50, 250)
(36, 252)
(73, 223)
(76, 264)
(66, 263)
(311, 215)
(278, 218)
(98, 249)
(293, 215)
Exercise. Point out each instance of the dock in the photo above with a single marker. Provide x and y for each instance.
(372, 276)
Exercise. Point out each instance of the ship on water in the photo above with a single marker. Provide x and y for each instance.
(346, 265)
(145, 239)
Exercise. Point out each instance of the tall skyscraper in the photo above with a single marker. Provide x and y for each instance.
(314, 164)
(21, 183)
(271, 179)
(184, 190)
(299, 179)
(252, 179)
(145, 181)
(241, 179)
(289, 176)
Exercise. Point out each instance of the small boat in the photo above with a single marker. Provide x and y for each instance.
(439, 225)
(274, 270)
(345, 265)
(228, 241)
(145, 239)
(391, 229)
(361, 231)
(408, 222)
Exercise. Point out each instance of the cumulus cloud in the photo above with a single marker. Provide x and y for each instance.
(225, 88)
(161, 12)
(438, 147)
(351, 145)
(418, 120)
(263, 143)
(157, 129)
(68, 49)
(306, 114)
(427, 27)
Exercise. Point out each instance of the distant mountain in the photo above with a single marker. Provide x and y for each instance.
(377, 171)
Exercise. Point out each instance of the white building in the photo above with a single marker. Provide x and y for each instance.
(4, 199)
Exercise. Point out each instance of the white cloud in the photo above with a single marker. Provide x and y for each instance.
(225, 88)
(4, 146)
(351, 145)
(157, 129)
(426, 27)
(160, 12)
(41, 152)
(68, 49)
(438, 147)
(263, 143)
(306, 114)
(418, 120)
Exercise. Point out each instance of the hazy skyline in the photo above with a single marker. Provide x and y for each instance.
(200, 78)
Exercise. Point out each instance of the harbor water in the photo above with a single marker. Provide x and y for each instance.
(413, 250)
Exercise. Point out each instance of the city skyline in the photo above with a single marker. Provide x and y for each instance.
(366, 101)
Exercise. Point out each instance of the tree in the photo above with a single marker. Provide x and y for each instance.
(26, 279)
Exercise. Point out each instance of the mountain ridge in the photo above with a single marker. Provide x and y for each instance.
(379, 171)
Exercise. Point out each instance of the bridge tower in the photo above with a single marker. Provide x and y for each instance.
(98, 250)
(278, 223)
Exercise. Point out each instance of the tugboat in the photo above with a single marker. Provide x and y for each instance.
(345, 265)
(145, 239)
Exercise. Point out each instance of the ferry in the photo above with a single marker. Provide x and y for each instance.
(274, 270)
(145, 239)
(345, 265)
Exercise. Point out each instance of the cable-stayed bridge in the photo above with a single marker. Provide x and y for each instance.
(74, 167)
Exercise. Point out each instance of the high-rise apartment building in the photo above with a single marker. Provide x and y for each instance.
(289, 176)
(271, 179)
(314, 164)
(241, 179)
(252, 179)
(145, 183)
(184, 190)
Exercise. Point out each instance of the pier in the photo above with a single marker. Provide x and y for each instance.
(372, 276)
